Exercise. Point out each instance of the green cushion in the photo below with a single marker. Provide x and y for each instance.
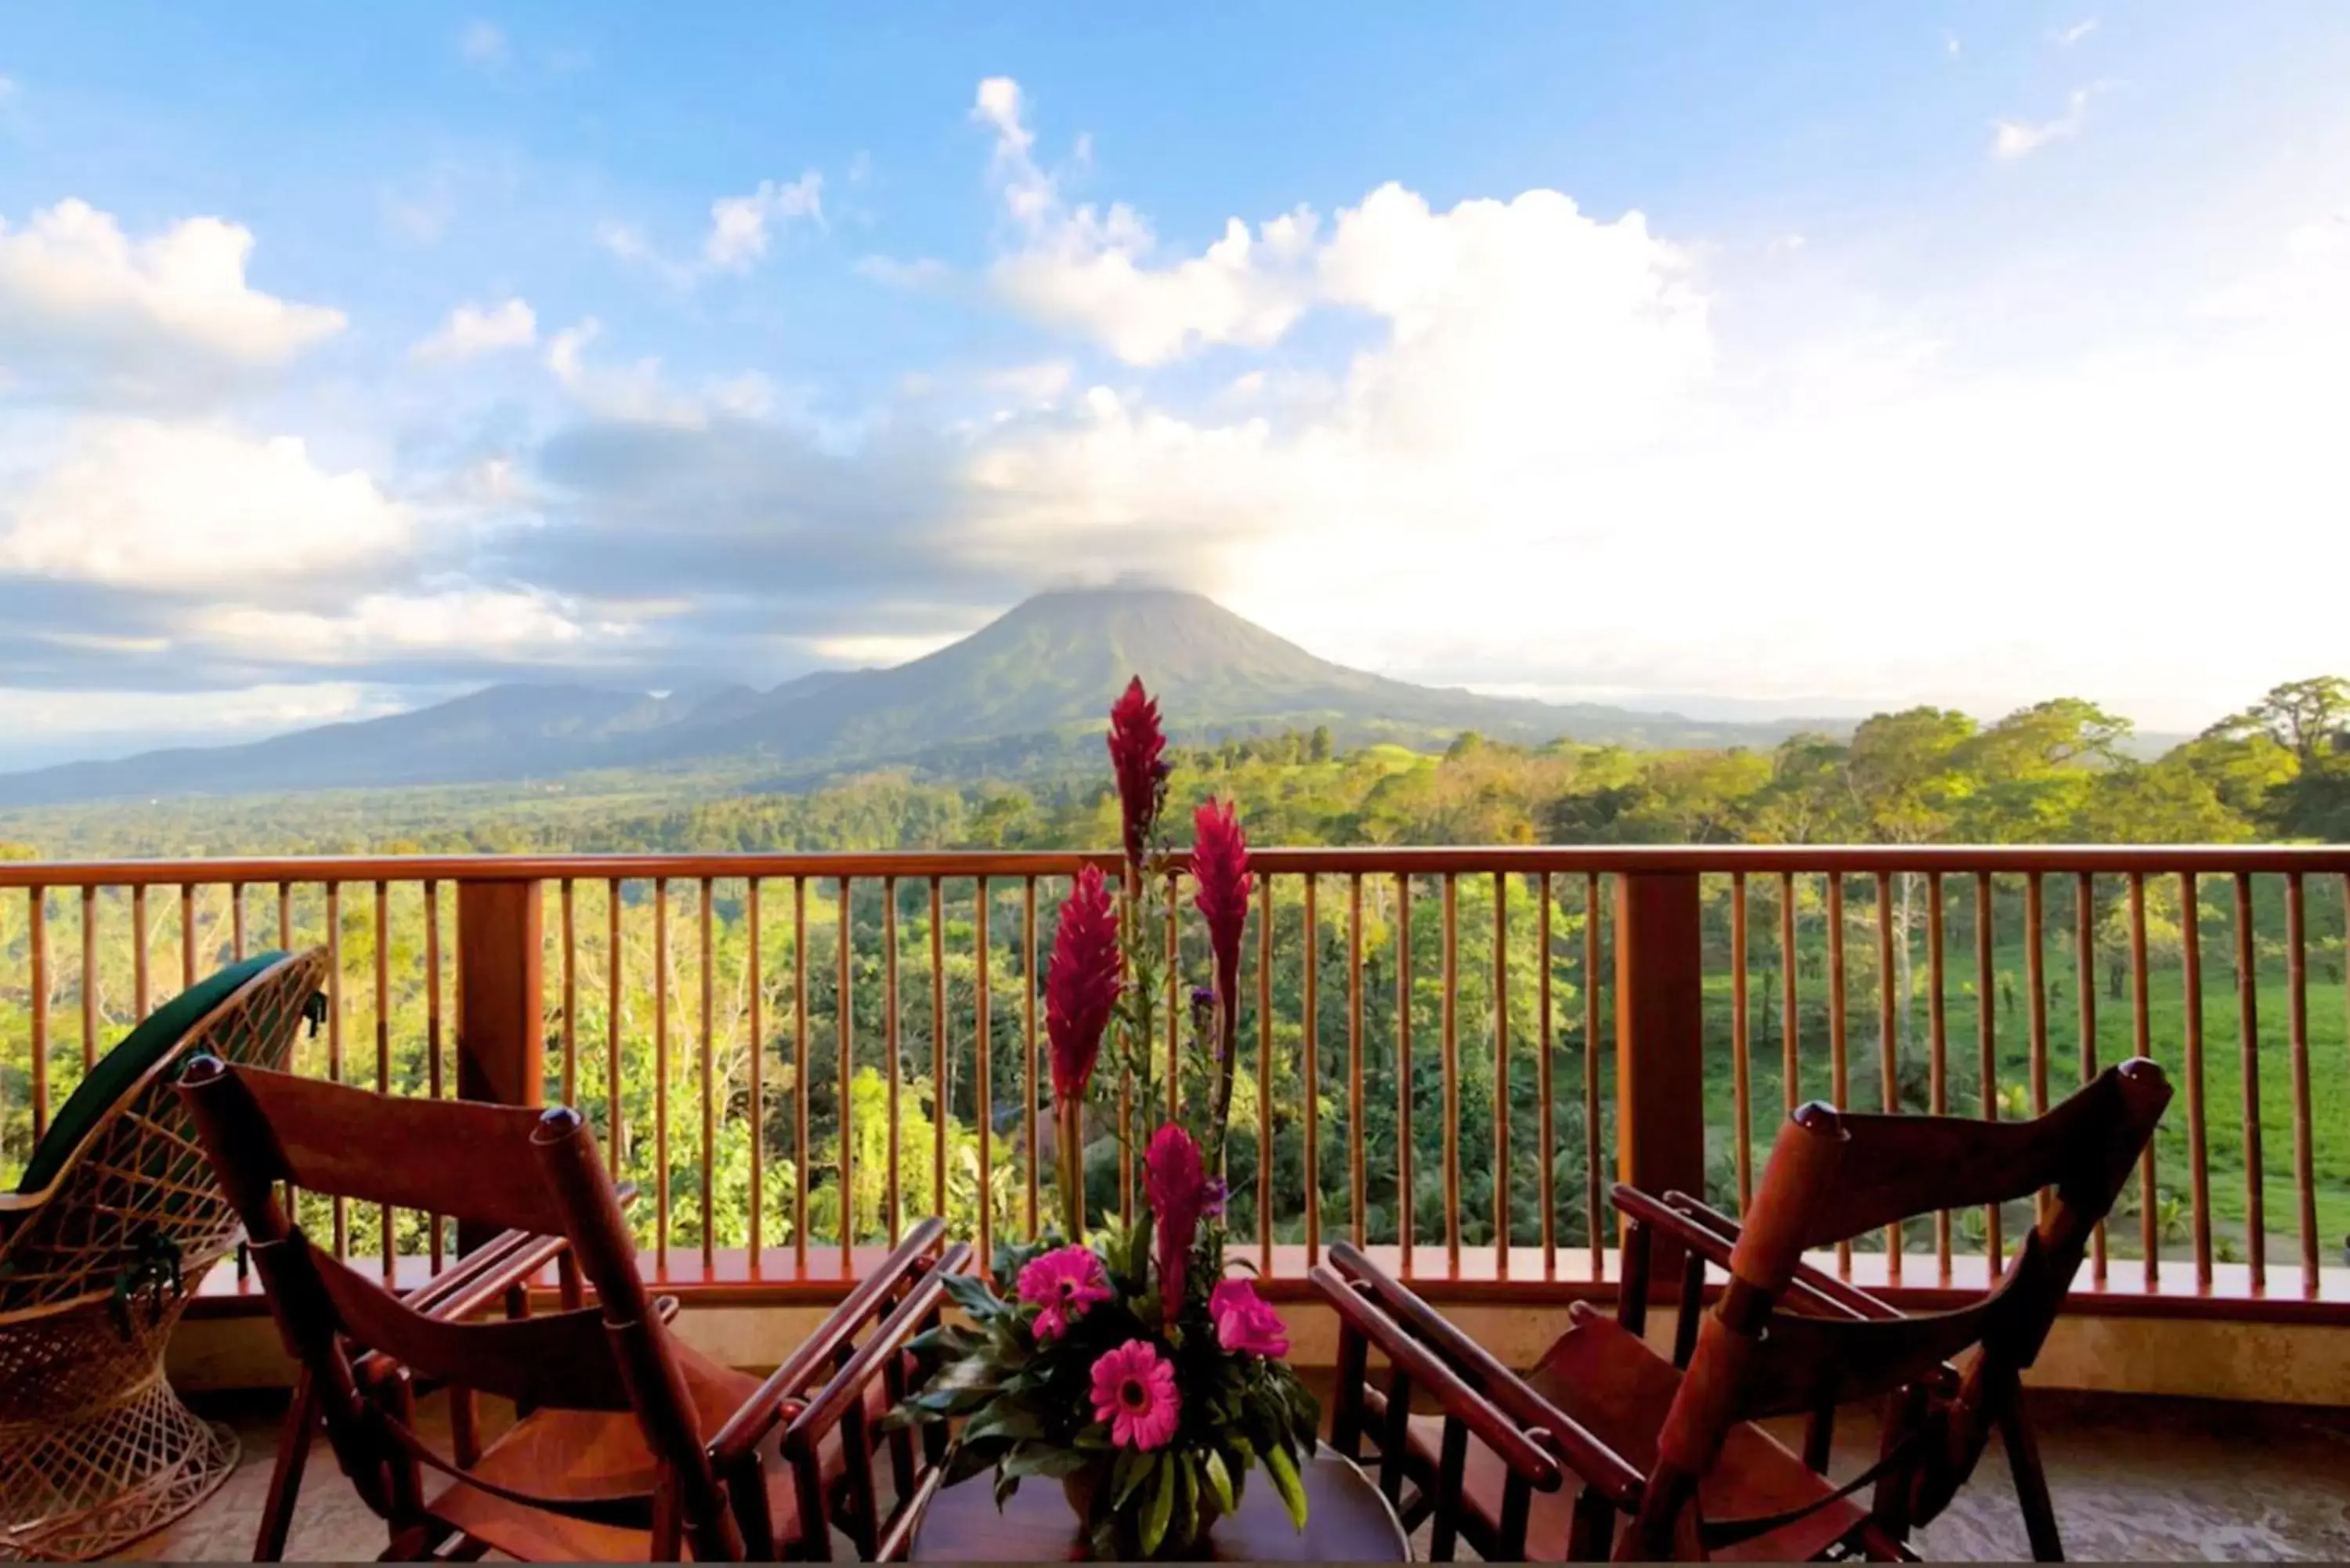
(123, 1067)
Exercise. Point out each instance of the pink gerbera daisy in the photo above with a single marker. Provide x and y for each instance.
(1060, 1284)
(1134, 1391)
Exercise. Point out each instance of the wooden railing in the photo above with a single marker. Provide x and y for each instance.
(795, 1056)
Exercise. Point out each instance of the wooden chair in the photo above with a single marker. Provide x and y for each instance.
(627, 1444)
(110, 1231)
(1479, 1398)
(840, 1419)
(1671, 1443)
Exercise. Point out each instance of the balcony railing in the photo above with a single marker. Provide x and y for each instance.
(1448, 1053)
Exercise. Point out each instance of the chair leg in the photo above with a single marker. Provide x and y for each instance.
(286, 1474)
(1591, 1538)
(1454, 1459)
(2030, 1481)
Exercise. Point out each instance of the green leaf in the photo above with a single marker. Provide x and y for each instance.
(1220, 1481)
(971, 1293)
(1094, 1434)
(1133, 1470)
(1046, 1459)
(902, 1417)
(947, 1341)
(969, 1460)
(1156, 1513)
(1004, 1419)
(979, 1371)
(1188, 1509)
(1284, 1471)
(1138, 1256)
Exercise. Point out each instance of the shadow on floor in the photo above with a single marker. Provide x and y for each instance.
(2133, 1479)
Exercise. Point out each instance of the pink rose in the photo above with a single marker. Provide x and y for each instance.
(1245, 1325)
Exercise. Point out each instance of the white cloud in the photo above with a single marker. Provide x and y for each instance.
(2076, 32)
(471, 330)
(499, 625)
(79, 296)
(877, 651)
(146, 505)
(628, 243)
(1950, 44)
(1090, 273)
(39, 726)
(483, 43)
(740, 228)
(1552, 431)
(738, 225)
(420, 211)
(2307, 290)
(1031, 385)
(640, 394)
(2014, 139)
(920, 274)
(1028, 191)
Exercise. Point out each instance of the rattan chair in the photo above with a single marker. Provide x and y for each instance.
(109, 1232)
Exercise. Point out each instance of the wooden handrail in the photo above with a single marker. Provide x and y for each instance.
(1653, 923)
(1755, 859)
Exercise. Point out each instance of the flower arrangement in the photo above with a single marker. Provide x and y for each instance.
(1126, 1363)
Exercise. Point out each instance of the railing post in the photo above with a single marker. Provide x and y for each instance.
(501, 1020)
(1660, 1047)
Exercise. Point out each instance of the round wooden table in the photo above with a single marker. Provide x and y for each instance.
(1347, 1521)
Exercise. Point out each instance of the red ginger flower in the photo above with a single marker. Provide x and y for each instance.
(1082, 985)
(1136, 748)
(1177, 1185)
(1220, 865)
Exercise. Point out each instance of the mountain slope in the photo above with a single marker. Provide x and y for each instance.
(1035, 678)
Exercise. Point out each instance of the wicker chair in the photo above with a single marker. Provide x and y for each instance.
(110, 1231)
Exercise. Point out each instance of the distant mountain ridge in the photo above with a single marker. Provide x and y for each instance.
(1033, 678)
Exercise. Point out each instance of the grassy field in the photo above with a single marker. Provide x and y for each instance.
(2223, 1095)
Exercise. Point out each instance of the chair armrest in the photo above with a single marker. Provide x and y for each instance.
(846, 1388)
(1584, 1453)
(898, 1543)
(1713, 1234)
(505, 1261)
(763, 1410)
(1430, 1373)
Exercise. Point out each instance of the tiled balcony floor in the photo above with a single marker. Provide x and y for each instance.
(2144, 1480)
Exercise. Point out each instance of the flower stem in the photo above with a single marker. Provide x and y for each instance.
(1073, 1167)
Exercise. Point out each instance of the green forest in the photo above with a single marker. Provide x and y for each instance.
(2055, 772)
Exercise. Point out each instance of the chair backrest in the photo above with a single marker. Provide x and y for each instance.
(504, 1167)
(1833, 1176)
(840, 1412)
(119, 1178)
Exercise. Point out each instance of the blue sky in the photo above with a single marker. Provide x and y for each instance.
(1801, 357)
